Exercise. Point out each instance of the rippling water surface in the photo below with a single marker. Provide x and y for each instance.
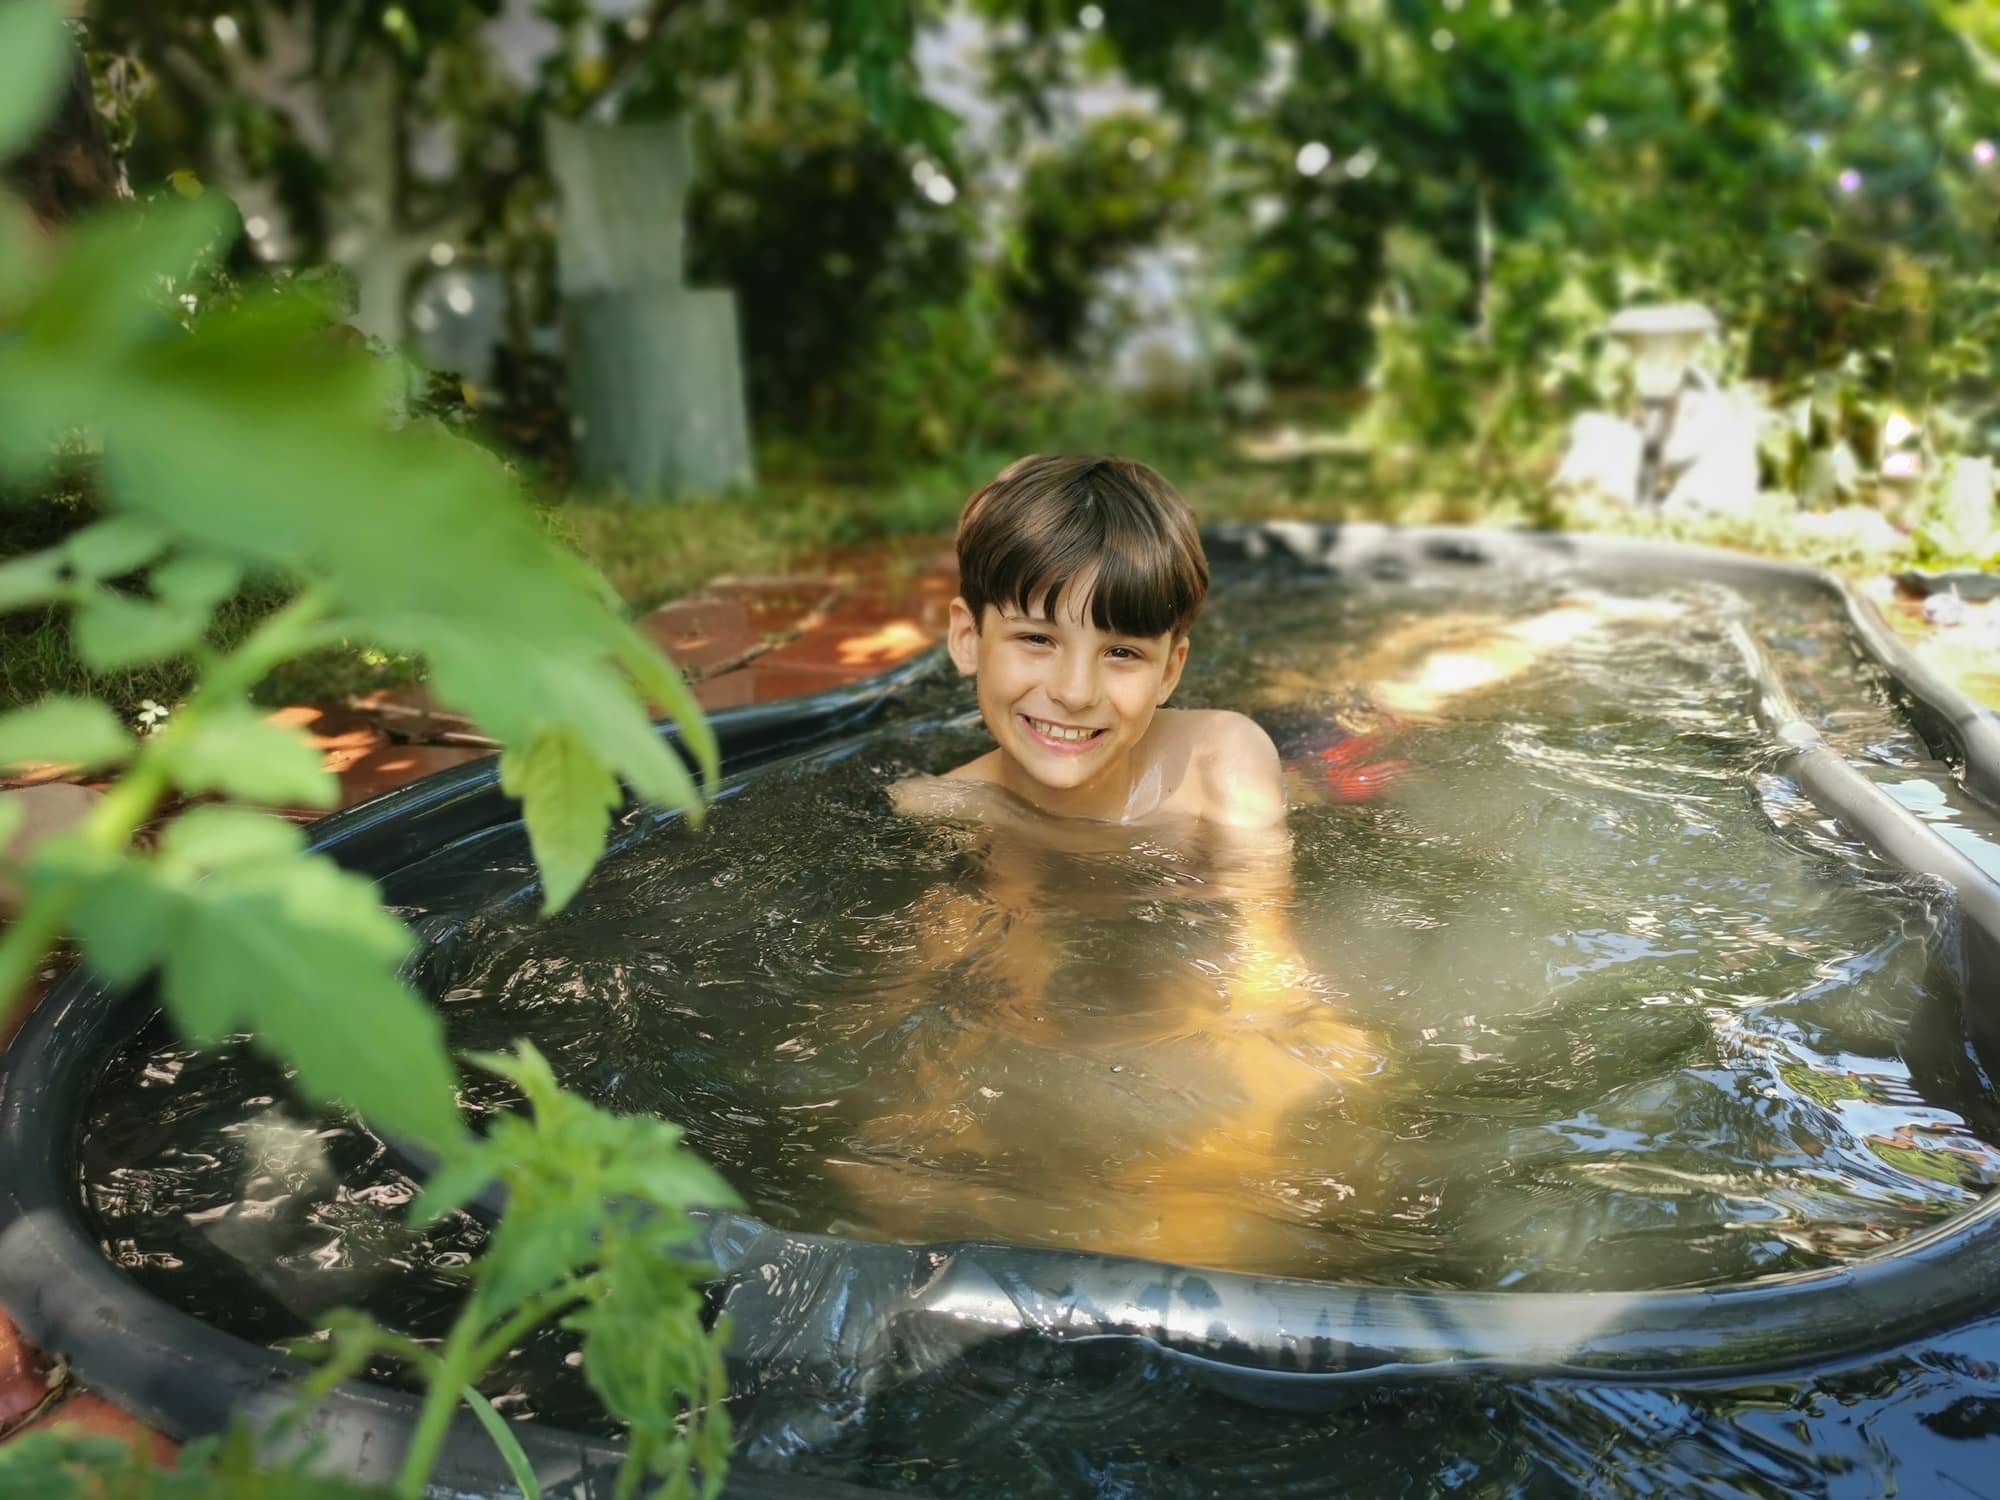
(1587, 999)
(1561, 1010)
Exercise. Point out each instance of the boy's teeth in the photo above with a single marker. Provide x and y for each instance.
(1058, 732)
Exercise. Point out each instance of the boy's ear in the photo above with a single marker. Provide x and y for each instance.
(962, 638)
(1171, 678)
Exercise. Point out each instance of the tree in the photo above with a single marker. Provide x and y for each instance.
(380, 134)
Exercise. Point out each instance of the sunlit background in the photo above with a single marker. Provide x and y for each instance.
(813, 270)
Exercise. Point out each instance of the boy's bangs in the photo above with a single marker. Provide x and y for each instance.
(1049, 524)
(1136, 590)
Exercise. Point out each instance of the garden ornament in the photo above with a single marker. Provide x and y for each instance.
(1707, 463)
(655, 366)
(1663, 339)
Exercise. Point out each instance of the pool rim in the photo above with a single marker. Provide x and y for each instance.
(137, 1348)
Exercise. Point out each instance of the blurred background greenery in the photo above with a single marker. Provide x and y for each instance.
(1328, 258)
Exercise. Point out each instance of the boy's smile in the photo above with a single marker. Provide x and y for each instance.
(1066, 700)
(1063, 739)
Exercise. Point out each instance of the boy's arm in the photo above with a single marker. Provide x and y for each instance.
(1287, 1041)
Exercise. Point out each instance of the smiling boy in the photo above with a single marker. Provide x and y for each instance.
(1080, 578)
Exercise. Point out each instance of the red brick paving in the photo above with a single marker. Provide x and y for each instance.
(855, 650)
(408, 712)
(703, 635)
(731, 690)
(388, 766)
(740, 640)
(773, 682)
(86, 1414)
(25, 1377)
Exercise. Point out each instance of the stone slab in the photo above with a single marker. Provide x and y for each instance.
(621, 193)
(656, 377)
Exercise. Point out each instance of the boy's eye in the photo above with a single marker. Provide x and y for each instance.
(1127, 653)
(1033, 638)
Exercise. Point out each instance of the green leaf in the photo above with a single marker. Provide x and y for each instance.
(38, 578)
(61, 1465)
(541, 1240)
(652, 1364)
(517, 693)
(126, 917)
(114, 630)
(662, 681)
(528, 1071)
(567, 1168)
(34, 49)
(566, 797)
(215, 838)
(231, 750)
(452, 1186)
(503, 1437)
(13, 813)
(299, 953)
(116, 545)
(196, 580)
(68, 364)
(20, 251)
(64, 731)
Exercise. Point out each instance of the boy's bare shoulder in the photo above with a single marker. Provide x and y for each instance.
(1218, 736)
(1237, 768)
(1225, 731)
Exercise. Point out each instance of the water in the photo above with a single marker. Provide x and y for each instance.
(1563, 1012)
(1589, 999)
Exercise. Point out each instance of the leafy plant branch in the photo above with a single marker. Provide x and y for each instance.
(60, 728)
(249, 440)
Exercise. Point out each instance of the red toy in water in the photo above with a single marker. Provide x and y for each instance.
(1348, 767)
(1352, 772)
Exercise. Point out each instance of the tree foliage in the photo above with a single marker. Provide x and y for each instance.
(816, 217)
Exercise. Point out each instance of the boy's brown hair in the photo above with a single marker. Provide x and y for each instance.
(1046, 518)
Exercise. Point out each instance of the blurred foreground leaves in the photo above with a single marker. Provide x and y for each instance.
(255, 440)
(246, 439)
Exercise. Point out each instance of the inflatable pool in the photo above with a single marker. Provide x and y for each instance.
(1673, 1128)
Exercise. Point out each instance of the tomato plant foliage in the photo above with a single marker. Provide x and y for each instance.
(253, 440)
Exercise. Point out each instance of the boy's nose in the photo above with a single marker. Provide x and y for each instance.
(1074, 686)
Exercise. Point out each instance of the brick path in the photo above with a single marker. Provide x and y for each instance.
(742, 640)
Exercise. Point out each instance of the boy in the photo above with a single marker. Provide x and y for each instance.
(1080, 578)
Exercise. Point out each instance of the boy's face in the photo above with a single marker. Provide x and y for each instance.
(1066, 701)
